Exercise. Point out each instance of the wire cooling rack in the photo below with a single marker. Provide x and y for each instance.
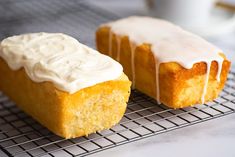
(20, 135)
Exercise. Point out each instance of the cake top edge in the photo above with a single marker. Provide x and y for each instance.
(60, 59)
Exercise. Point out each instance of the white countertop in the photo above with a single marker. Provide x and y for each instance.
(212, 138)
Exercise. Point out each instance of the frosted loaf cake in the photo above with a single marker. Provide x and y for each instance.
(68, 87)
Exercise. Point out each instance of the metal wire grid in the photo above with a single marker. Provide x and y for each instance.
(20, 135)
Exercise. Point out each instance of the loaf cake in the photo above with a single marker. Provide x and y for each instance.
(68, 87)
(169, 64)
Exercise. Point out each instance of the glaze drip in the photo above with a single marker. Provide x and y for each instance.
(118, 48)
(133, 47)
(110, 43)
(206, 81)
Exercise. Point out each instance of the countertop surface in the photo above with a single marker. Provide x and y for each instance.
(212, 138)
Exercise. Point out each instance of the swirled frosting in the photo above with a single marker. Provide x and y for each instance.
(60, 59)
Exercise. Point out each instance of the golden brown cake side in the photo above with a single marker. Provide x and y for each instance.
(179, 87)
(69, 115)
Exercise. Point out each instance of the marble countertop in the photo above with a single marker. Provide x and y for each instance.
(212, 138)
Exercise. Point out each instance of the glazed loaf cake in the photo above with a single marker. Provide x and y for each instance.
(66, 86)
(164, 61)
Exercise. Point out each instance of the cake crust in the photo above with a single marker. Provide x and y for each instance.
(179, 87)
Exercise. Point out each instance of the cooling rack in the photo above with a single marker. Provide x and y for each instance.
(20, 135)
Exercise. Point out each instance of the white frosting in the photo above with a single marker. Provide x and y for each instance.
(60, 59)
(169, 43)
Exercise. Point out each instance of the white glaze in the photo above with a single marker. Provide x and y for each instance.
(220, 64)
(133, 47)
(118, 48)
(208, 66)
(157, 65)
(110, 44)
(58, 58)
(169, 43)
